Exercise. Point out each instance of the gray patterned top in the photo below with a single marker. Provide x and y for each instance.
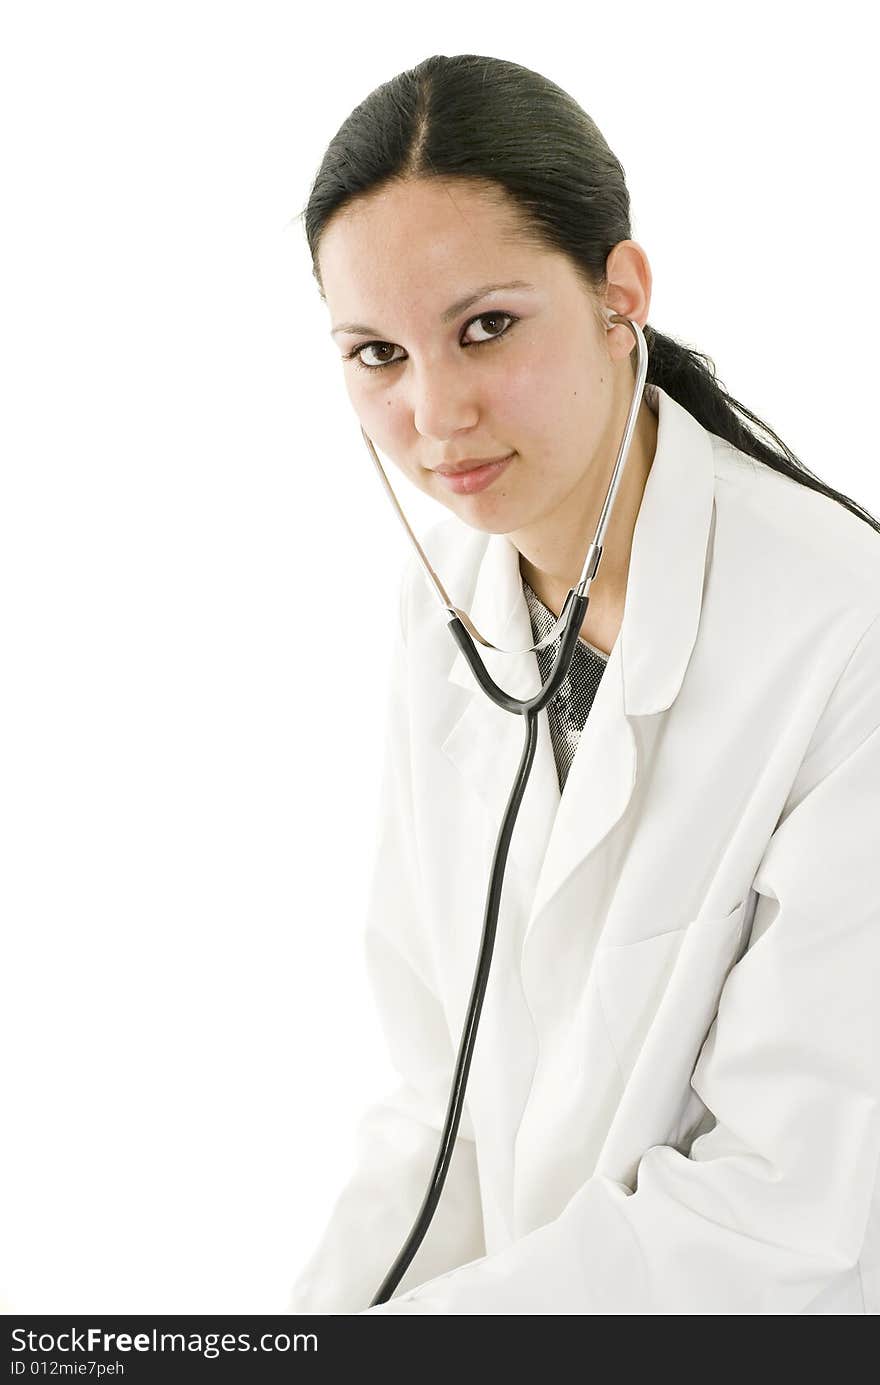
(568, 710)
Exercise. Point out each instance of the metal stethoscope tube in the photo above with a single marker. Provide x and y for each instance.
(465, 633)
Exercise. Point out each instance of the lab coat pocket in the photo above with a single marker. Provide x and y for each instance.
(659, 999)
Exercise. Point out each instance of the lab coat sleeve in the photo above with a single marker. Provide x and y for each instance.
(768, 1208)
(396, 1139)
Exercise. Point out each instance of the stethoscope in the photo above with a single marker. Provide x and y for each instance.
(464, 632)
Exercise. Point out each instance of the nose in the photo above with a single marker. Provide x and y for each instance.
(444, 399)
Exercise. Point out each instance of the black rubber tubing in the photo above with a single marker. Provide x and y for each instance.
(527, 708)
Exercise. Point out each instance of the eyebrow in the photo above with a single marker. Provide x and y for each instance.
(450, 312)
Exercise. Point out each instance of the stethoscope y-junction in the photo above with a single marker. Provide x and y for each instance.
(467, 636)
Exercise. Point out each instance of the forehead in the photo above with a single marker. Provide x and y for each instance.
(419, 243)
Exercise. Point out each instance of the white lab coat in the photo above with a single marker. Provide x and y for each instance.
(674, 1102)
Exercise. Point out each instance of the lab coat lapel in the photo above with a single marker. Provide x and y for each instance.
(647, 664)
(486, 742)
(555, 834)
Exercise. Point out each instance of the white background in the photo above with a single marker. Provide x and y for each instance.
(189, 751)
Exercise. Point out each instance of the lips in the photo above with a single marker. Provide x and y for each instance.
(475, 478)
(469, 464)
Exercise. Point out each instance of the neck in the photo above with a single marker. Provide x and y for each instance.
(551, 560)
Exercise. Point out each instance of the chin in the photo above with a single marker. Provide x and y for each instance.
(498, 526)
(497, 520)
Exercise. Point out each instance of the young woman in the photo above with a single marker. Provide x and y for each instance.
(673, 1100)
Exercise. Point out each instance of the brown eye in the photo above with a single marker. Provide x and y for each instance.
(374, 346)
(490, 317)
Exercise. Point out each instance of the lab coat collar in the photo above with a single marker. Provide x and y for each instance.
(664, 584)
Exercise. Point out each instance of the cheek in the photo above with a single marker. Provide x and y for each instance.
(379, 411)
(529, 398)
(558, 399)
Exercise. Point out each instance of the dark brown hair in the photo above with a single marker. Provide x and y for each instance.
(509, 128)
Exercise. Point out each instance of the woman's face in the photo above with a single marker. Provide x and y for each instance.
(527, 370)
